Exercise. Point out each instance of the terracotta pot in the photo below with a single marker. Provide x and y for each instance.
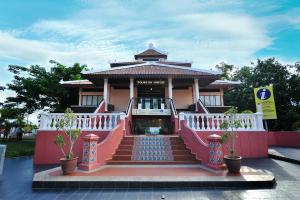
(233, 163)
(68, 165)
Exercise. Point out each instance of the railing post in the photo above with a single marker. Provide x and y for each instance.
(89, 156)
(181, 117)
(215, 152)
(259, 121)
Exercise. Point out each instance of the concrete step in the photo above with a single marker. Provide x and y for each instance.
(133, 162)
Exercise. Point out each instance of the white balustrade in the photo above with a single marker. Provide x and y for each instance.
(83, 121)
(213, 121)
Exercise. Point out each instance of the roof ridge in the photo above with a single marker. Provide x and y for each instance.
(155, 64)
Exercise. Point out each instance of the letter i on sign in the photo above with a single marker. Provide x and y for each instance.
(263, 94)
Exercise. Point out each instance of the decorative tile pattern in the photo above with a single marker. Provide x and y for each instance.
(152, 148)
(89, 151)
(215, 152)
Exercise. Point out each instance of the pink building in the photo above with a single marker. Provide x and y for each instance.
(150, 110)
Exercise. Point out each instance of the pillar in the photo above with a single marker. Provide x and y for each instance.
(215, 152)
(80, 97)
(170, 88)
(131, 88)
(89, 156)
(105, 93)
(222, 96)
(196, 88)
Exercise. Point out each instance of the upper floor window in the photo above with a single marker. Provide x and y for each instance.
(211, 100)
(91, 100)
(150, 59)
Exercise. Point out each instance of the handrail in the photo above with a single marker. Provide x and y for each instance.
(213, 121)
(148, 102)
(99, 106)
(129, 106)
(83, 121)
(202, 105)
(173, 108)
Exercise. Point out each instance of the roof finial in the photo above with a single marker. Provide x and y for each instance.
(151, 46)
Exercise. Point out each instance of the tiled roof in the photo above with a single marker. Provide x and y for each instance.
(77, 83)
(150, 52)
(224, 84)
(152, 70)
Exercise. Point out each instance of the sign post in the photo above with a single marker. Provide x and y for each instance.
(264, 100)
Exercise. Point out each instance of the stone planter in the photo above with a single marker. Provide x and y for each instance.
(68, 165)
(233, 163)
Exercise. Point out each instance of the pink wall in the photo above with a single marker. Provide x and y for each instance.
(193, 142)
(250, 144)
(46, 152)
(107, 148)
(284, 138)
(119, 98)
(183, 98)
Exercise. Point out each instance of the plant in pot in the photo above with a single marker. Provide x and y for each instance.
(69, 161)
(232, 160)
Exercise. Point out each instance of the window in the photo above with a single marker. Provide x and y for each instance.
(91, 100)
(150, 59)
(211, 100)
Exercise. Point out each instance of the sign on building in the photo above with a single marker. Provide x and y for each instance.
(264, 98)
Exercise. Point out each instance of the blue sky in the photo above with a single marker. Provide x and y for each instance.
(95, 32)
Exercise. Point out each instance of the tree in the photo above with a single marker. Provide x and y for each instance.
(226, 69)
(286, 83)
(39, 89)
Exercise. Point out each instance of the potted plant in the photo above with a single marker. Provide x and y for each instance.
(69, 161)
(232, 160)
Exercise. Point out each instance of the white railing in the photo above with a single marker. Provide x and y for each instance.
(84, 121)
(212, 121)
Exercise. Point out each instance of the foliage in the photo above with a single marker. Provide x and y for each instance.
(29, 127)
(286, 83)
(37, 89)
(225, 69)
(230, 126)
(247, 112)
(10, 117)
(66, 124)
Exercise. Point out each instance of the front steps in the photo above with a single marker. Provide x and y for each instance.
(153, 150)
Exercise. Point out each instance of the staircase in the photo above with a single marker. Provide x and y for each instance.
(153, 150)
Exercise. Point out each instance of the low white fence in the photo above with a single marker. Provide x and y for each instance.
(213, 121)
(83, 121)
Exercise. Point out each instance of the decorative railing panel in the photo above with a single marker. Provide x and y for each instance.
(83, 121)
(213, 121)
(151, 106)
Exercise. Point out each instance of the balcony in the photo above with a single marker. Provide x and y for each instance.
(152, 106)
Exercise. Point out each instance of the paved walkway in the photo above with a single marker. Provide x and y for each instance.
(285, 152)
(16, 184)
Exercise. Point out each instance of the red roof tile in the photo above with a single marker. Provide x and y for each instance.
(151, 70)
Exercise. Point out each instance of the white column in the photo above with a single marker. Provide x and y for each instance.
(196, 88)
(80, 97)
(131, 88)
(170, 88)
(105, 93)
(222, 96)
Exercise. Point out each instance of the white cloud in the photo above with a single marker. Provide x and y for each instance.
(116, 29)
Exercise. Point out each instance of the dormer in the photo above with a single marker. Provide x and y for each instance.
(151, 54)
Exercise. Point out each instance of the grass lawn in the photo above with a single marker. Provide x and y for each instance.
(19, 148)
